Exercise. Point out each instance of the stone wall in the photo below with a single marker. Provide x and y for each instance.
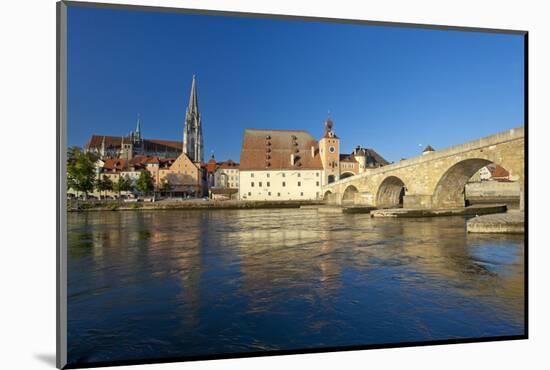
(492, 189)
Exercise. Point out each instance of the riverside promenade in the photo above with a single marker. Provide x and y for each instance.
(113, 205)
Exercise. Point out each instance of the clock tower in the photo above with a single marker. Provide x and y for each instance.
(329, 149)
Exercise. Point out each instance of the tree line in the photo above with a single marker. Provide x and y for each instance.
(83, 177)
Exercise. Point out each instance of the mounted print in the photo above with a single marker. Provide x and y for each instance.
(236, 185)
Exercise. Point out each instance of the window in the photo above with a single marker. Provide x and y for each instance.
(268, 175)
(283, 174)
(252, 174)
(301, 194)
(249, 193)
(317, 174)
(269, 193)
(299, 183)
(252, 184)
(268, 184)
(317, 183)
(299, 175)
(284, 183)
(260, 184)
(278, 194)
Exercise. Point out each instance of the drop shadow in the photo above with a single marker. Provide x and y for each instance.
(47, 358)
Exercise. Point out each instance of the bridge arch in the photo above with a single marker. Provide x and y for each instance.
(327, 195)
(348, 197)
(390, 193)
(449, 191)
(345, 175)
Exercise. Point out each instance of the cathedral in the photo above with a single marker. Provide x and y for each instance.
(133, 144)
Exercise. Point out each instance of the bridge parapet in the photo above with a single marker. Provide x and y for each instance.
(439, 174)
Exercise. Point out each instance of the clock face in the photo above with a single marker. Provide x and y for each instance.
(331, 149)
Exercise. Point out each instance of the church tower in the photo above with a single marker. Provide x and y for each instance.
(329, 149)
(192, 132)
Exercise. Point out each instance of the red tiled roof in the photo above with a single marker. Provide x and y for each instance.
(138, 160)
(96, 141)
(272, 150)
(229, 164)
(211, 165)
(499, 171)
(153, 160)
(166, 162)
(115, 164)
(110, 141)
(347, 158)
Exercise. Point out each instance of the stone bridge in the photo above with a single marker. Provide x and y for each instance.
(435, 179)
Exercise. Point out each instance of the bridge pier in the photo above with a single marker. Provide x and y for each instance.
(417, 201)
(331, 198)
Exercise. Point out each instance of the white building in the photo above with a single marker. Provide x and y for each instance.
(280, 165)
(132, 175)
(227, 175)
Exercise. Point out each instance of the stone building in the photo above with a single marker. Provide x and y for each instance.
(279, 165)
(338, 166)
(184, 176)
(491, 172)
(227, 175)
(127, 147)
(292, 165)
(133, 144)
(222, 178)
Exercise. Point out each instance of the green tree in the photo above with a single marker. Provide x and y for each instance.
(123, 184)
(81, 170)
(145, 183)
(104, 184)
(166, 186)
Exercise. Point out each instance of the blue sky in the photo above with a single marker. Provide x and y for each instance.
(387, 88)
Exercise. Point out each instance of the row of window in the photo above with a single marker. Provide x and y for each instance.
(230, 178)
(283, 174)
(279, 194)
(268, 184)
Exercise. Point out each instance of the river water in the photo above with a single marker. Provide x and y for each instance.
(146, 285)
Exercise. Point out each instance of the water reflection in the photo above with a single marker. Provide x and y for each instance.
(157, 284)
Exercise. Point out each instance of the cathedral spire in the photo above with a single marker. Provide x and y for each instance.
(192, 131)
(138, 129)
(193, 106)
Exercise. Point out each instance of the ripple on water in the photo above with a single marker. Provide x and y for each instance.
(179, 283)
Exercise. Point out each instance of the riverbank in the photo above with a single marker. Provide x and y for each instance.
(113, 205)
(512, 222)
(465, 211)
